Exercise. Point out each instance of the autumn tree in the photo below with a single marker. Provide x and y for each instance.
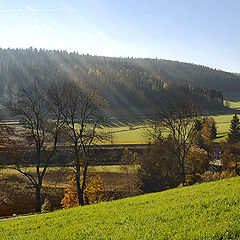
(210, 124)
(196, 163)
(180, 121)
(81, 110)
(208, 135)
(93, 192)
(231, 156)
(42, 125)
(158, 167)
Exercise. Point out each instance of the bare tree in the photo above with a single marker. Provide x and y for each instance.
(42, 125)
(6, 141)
(80, 109)
(179, 120)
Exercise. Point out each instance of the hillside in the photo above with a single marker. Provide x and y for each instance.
(131, 86)
(205, 211)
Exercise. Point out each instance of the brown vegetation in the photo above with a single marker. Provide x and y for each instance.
(18, 197)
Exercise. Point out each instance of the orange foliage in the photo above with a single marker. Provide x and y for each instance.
(231, 156)
(93, 192)
(206, 133)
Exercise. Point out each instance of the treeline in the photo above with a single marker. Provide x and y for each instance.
(138, 85)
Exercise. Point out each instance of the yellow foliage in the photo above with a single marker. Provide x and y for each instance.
(165, 85)
(90, 71)
(196, 160)
(98, 72)
(93, 192)
(206, 134)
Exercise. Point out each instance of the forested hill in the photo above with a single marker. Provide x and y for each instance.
(135, 85)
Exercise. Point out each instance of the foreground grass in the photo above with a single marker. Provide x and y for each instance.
(206, 211)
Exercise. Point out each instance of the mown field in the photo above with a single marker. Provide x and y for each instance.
(135, 131)
(204, 211)
(107, 168)
(137, 134)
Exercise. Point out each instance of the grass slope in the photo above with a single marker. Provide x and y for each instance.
(206, 211)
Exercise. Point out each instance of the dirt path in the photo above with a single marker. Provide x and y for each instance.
(10, 218)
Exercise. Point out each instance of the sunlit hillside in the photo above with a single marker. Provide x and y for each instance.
(133, 87)
(205, 211)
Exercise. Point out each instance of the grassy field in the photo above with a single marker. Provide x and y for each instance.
(129, 134)
(99, 169)
(234, 105)
(205, 211)
(137, 134)
(223, 124)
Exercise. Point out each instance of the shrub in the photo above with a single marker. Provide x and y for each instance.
(158, 167)
(46, 207)
(93, 192)
(196, 163)
(209, 176)
(231, 156)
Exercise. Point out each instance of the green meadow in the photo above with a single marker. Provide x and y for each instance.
(129, 134)
(98, 169)
(138, 134)
(204, 211)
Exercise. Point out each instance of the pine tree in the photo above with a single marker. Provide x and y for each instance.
(214, 129)
(234, 131)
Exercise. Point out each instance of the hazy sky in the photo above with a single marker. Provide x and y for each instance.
(198, 31)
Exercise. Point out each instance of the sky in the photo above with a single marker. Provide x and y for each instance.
(203, 32)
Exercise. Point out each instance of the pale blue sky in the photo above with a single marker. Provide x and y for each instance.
(198, 31)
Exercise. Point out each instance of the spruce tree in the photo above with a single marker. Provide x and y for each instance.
(234, 131)
(214, 130)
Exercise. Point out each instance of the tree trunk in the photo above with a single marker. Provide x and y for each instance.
(38, 199)
(183, 174)
(83, 184)
(79, 190)
(78, 179)
(80, 197)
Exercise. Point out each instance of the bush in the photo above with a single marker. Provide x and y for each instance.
(192, 179)
(46, 207)
(93, 192)
(196, 163)
(209, 176)
(231, 156)
(158, 169)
